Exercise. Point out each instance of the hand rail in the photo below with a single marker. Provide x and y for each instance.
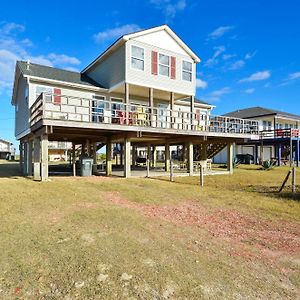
(112, 112)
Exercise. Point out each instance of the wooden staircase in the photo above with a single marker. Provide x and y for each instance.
(211, 150)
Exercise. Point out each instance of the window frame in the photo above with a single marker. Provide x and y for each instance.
(137, 58)
(186, 71)
(164, 65)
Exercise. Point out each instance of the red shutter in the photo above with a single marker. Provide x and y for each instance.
(154, 63)
(173, 67)
(57, 97)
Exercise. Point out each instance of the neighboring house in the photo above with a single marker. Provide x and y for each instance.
(58, 151)
(138, 93)
(7, 150)
(278, 131)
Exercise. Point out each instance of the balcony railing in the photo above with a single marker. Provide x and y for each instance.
(285, 133)
(69, 108)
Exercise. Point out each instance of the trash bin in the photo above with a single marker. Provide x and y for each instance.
(86, 166)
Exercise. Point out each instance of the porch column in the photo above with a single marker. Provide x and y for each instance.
(127, 158)
(172, 110)
(30, 148)
(127, 102)
(190, 158)
(167, 157)
(154, 157)
(36, 158)
(230, 158)
(151, 104)
(279, 154)
(44, 158)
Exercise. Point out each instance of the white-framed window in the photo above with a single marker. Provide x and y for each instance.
(164, 64)
(187, 70)
(46, 90)
(137, 58)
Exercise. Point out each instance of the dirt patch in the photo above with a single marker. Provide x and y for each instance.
(268, 236)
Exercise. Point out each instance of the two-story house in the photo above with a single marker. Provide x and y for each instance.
(279, 133)
(140, 92)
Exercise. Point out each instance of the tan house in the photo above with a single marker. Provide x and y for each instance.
(139, 93)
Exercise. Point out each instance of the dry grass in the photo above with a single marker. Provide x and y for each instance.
(108, 238)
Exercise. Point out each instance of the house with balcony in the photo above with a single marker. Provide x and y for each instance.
(139, 93)
(279, 136)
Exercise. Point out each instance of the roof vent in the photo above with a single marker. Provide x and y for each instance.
(28, 64)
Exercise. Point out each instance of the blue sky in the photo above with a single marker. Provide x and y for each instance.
(249, 49)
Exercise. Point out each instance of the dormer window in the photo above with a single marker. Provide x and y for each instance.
(187, 70)
(137, 58)
(164, 65)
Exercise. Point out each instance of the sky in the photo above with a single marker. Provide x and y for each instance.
(249, 49)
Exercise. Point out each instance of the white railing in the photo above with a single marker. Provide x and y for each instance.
(68, 108)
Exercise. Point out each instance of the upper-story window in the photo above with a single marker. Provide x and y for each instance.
(164, 65)
(137, 58)
(187, 70)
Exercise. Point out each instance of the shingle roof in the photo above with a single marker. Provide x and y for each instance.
(253, 112)
(56, 74)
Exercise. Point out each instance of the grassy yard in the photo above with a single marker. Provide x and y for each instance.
(114, 238)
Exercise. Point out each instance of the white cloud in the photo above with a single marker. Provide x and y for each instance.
(169, 7)
(294, 76)
(250, 91)
(250, 55)
(62, 59)
(228, 56)
(201, 84)
(216, 95)
(219, 32)
(213, 60)
(263, 75)
(237, 65)
(113, 33)
(12, 49)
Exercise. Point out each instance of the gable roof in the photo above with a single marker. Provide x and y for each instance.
(132, 35)
(46, 72)
(254, 112)
(6, 142)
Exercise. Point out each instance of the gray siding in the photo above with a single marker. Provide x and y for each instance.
(146, 78)
(110, 71)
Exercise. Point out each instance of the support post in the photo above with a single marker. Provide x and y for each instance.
(230, 158)
(279, 150)
(167, 157)
(154, 157)
(21, 157)
(108, 157)
(74, 159)
(121, 154)
(134, 156)
(148, 167)
(201, 175)
(30, 148)
(36, 158)
(256, 154)
(149, 153)
(191, 158)
(95, 158)
(25, 164)
(291, 151)
(127, 158)
(44, 158)
(192, 110)
(171, 171)
(294, 180)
